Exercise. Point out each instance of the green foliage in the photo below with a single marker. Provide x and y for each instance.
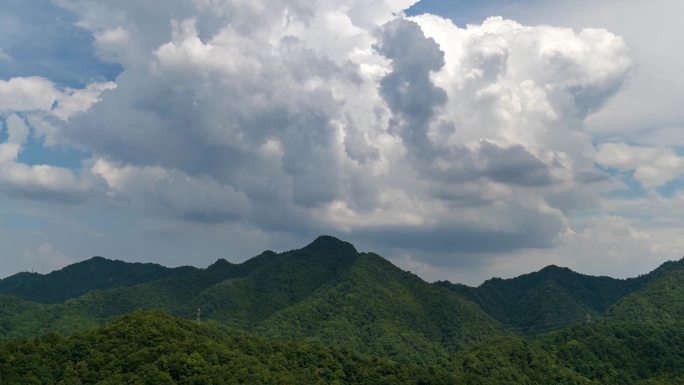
(277, 282)
(513, 360)
(379, 309)
(153, 348)
(661, 301)
(326, 314)
(80, 278)
(325, 292)
(616, 352)
(21, 318)
(551, 298)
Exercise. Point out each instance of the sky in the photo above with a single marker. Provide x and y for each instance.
(462, 140)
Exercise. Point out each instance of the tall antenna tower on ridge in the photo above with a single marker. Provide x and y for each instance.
(199, 314)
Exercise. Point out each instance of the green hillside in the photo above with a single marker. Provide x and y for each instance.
(237, 293)
(329, 314)
(661, 301)
(551, 298)
(379, 309)
(617, 352)
(19, 317)
(154, 348)
(326, 291)
(276, 282)
(80, 278)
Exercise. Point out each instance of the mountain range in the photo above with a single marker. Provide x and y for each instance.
(328, 295)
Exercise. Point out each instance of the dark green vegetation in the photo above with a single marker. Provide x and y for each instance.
(154, 348)
(325, 292)
(553, 297)
(80, 278)
(329, 314)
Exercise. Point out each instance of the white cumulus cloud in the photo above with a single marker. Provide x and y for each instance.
(418, 120)
(29, 94)
(652, 166)
(172, 192)
(321, 116)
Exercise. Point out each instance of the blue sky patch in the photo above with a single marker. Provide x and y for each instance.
(50, 45)
(464, 12)
(3, 131)
(34, 153)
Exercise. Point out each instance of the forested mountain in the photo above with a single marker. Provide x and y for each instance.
(660, 301)
(379, 309)
(553, 297)
(326, 291)
(80, 278)
(155, 348)
(327, 313)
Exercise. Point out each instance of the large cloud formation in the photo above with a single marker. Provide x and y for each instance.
(328, 116)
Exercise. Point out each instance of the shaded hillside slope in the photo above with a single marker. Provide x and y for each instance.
(660, 301)
(379, 309)
(553, 297)
(326, 291)
(80, 278)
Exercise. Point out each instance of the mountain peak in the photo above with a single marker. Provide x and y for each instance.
(669, 265)
(555, 269)
(80, 278)
(220, 263)
(328, 242)
(92, 262)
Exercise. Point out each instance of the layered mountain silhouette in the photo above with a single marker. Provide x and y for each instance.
(327, 313)
(329, 293)
(80, 278)
(553, 297)
(326, 291)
